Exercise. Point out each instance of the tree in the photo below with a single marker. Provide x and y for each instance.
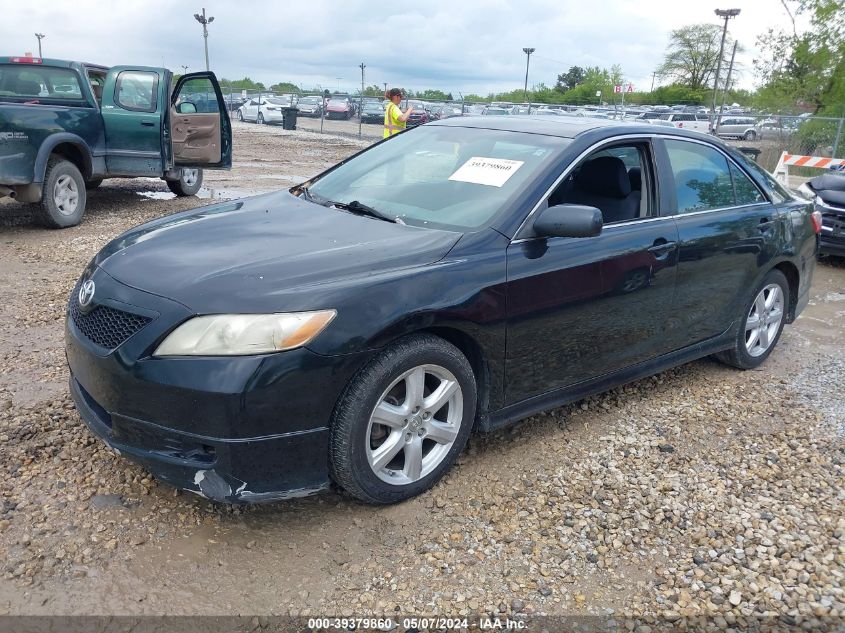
(805, 70)
(571, 78)
(285, 87)
(242, 84)
(692, 55)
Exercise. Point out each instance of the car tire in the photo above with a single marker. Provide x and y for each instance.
(260, 119)
(93, 184)
(394, 384)
(240, 116)
(750, 135)
(189, 183)
(63, 195)
(769, 300)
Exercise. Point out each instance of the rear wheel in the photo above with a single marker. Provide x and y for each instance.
(761, 323)
(403, 420)
(63, 196)
(189, 182)
(750, 135)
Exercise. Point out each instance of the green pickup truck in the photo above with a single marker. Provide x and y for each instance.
(65, 126)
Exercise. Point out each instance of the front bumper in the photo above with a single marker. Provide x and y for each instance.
(832, 238)
(234, 429)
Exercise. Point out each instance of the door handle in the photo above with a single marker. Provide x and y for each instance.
(661, 248)
(147, 123)
(765, 224)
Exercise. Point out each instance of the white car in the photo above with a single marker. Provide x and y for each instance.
(688, 121)
(264, 109)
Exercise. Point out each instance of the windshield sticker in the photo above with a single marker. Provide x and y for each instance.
(493, 172)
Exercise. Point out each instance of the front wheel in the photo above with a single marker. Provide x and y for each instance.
(189, 182)
(403, 420)
(761, 323)
(260, 119)
(750, 135)
(240, 116)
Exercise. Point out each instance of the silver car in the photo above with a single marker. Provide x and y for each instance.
(745, 128)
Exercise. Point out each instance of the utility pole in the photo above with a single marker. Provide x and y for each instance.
(653, 75)
(725, 91)
(40, 37)
(338, 84)
(205, 22)
(361, 100)
(527, 52)
(727, 14)
(385, 87)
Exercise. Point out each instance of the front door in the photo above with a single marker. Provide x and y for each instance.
(579, 308)
(727, 231)
(201, 132)
(133, 101)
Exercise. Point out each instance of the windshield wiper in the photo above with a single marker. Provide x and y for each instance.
(363, 209)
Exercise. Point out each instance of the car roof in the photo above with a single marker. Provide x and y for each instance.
(563, 126)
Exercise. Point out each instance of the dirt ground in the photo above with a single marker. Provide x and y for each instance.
(702, 490)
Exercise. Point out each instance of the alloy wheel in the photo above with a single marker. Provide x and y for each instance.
(764, 319)
(66, 195)
(414, 425)
(189, 177)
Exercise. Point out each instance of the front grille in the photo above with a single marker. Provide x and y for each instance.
(835, 222)
(105, 326)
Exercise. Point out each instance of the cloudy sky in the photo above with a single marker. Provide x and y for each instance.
(453, 45)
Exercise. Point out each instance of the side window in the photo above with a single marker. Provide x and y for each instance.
(746, 191)
(615, 180)
(702, 178)
(200, 92)
(137, 90)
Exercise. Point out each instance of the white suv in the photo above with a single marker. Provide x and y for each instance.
(688, 121)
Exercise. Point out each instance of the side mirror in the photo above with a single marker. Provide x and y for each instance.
(186, 107)
(569, 220)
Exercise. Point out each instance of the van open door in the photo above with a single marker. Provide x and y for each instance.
(200, 130)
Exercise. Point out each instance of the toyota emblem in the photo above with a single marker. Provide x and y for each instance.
(86, 293)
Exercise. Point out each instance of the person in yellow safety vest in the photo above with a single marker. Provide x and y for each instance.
(394, 118)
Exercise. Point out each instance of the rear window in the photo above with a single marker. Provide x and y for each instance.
(39, 82)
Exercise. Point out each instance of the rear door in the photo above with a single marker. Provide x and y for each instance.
(133, 103)
(201, 132)
(728, 230)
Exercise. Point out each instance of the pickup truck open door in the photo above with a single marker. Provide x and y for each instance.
(200, 130)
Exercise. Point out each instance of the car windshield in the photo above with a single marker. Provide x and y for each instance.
(441, 177)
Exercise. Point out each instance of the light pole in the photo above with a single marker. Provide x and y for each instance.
(185, 69)
(527, 52)
(40, 37)
(338, 84)
(205, 22)
(727, 14)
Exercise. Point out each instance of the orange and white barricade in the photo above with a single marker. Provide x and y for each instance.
(781, 172)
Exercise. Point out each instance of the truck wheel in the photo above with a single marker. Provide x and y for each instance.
(93, 184)
(63, 197)
(188, 184)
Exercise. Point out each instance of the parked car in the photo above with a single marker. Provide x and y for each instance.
(648, 116)
(114, 122)
(419, 115)
(339, 108)
(746, 128)
(446, 112)
(372, 112)
(310, 106)
(828, 194)
(495, 111)
(269, 110)
(688, 121)
(455, 278)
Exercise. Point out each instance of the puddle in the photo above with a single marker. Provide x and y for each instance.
(206, 193)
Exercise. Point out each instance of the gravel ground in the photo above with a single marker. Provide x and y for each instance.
(700, 491)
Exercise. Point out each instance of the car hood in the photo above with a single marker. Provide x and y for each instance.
(247, 255)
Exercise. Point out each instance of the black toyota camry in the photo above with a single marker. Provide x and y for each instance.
(452, 279)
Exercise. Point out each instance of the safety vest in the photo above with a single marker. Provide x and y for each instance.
(392, 127)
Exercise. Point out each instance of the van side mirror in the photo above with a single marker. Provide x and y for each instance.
(569, 220)
(186, 107)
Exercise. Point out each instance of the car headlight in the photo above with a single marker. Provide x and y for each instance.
(241, 334)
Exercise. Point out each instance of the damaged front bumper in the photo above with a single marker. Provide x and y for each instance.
(248, 470)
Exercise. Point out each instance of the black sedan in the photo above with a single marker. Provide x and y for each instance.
(453, 278)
